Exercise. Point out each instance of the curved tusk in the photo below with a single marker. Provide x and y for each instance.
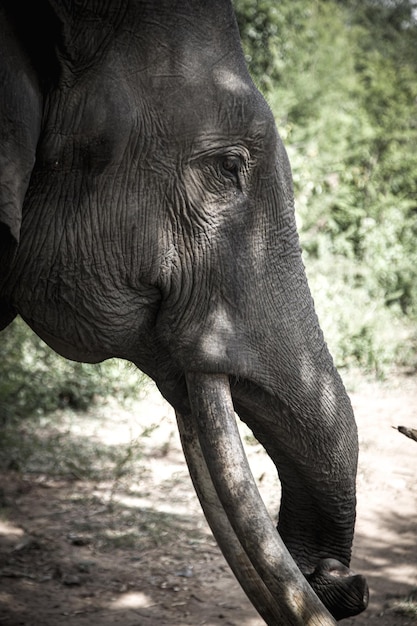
(220, 525)
(288, 599)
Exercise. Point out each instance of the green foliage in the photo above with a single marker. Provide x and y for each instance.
(100, 445)
(360, 330)
(341, 78)
(406, 607)
(266, 30)
(35, 380)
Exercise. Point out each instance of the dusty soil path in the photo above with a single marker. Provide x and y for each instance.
(133, 548)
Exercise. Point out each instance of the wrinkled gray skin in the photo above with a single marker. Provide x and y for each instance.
(146, 212)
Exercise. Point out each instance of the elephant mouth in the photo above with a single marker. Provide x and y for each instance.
(240, 522)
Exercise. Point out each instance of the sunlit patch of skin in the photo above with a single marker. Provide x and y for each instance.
(231, 81)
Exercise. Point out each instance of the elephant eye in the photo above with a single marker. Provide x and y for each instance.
(230, 166)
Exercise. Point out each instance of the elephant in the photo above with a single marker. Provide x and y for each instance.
(147, 213)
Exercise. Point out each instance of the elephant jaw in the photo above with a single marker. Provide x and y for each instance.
(242, 526)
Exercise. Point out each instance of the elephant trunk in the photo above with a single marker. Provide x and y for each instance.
(236, 512)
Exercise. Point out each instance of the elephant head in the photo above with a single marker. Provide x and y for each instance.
(146, 212)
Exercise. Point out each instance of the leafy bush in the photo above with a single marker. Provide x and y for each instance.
(35, 380)
(360, 330)
(341, 78)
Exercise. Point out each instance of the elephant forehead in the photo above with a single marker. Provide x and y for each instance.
(211, 114)
(204, 70)
(190, 66)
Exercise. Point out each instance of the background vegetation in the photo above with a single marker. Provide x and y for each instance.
(341, 78)
(34, 380)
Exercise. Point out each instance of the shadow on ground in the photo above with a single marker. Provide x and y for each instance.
(69, 557)
(103, 528)
(125, 541)
(388, 558)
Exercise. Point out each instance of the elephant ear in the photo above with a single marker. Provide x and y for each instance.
(26, 64)
(20, 116)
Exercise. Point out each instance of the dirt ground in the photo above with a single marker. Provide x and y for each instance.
(135, 549)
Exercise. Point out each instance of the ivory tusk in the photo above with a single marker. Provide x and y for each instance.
(220, 526)
(277, 588)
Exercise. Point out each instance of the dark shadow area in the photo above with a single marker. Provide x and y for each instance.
(388, 557)
(69, 556)
(111, 547)
(95, 529)
(385, 547)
